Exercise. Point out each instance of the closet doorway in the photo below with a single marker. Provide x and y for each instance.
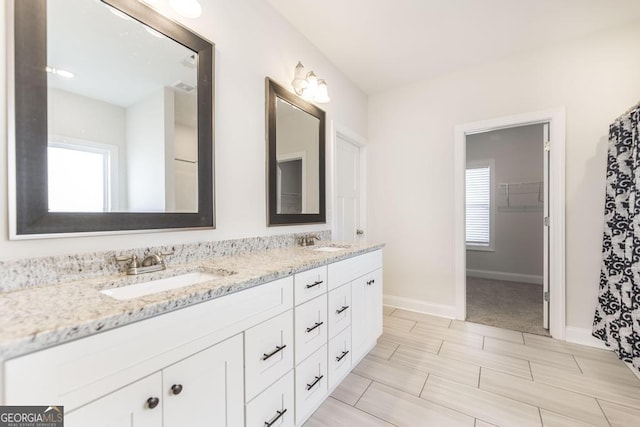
(505, 195)
(510, 223)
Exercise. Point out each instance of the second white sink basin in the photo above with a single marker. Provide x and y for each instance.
(329, 249)
(160, 285)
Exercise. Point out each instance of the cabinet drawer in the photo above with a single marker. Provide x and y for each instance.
(310, 284)
(339, 357)
(268, 352)
(311, 384)
(274, 406)
(339, 310)
(345, 271)
(310, 327)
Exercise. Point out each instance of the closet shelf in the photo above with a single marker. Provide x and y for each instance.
(521, 196)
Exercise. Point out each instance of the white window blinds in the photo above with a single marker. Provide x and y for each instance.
(478, 202)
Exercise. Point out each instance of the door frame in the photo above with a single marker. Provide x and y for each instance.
(343, 132)
(557, 126)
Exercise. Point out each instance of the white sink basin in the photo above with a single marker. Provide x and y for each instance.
(160, 285)
(329, 249)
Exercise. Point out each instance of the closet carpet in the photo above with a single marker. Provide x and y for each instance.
(508, 305)
(434, 372)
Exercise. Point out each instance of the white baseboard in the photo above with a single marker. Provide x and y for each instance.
(501, 275)
(584, 337)
(448, 311)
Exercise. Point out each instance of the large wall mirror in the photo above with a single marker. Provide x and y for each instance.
(113, 119)
(296, 159)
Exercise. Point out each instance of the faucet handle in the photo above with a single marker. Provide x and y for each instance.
(132, 261)
(158, 257)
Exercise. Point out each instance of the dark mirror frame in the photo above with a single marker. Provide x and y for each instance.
(30, 108)
(275, 91)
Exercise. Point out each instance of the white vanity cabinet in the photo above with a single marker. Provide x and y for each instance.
(265, 356)
(206, 386)
(364, 276)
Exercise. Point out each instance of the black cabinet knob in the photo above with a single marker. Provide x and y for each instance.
(176, 388)
(152, 402)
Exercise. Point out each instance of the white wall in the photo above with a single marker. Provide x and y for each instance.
(411, 134)
(297, 133)
(147, 135)
(252, 42)
(518, 233)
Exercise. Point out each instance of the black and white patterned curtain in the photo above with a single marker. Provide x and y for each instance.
(617, 317)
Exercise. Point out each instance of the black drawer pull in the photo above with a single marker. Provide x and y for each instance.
(344, 353)
(316, 283)
(176, 389)
(344, 307)
(317, 325)
(370, 282)
(278, 349)
(316, 381)
(273, 420)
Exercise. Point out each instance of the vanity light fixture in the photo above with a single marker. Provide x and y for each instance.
(309, 86)
(187, 8)
(59, 72)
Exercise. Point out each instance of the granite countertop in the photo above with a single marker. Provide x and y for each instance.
(36, 318)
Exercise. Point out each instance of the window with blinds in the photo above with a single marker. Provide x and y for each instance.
(478, 205)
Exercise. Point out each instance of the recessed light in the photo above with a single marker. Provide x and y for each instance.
(60, 72)
(154, 32)
(118, 13)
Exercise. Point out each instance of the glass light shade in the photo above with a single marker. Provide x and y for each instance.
(187, 8)
(312, 88)
(323, 92)
(299, 82)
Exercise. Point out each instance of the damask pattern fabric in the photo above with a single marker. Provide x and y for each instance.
(617, 316)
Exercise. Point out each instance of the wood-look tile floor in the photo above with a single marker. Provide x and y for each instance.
(430, 371)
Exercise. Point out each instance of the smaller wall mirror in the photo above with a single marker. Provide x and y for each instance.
(296, 159)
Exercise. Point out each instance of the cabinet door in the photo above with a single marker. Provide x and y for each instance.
(206, 389)
(374, 306)
(366, 317)
(127, 407)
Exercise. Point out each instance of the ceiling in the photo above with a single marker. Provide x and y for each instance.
(114, 59)
(382, 44)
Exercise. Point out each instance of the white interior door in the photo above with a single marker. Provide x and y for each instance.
(348, 190)
(545, 226)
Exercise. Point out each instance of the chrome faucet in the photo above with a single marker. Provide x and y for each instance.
(149, 264)
(308, 240)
